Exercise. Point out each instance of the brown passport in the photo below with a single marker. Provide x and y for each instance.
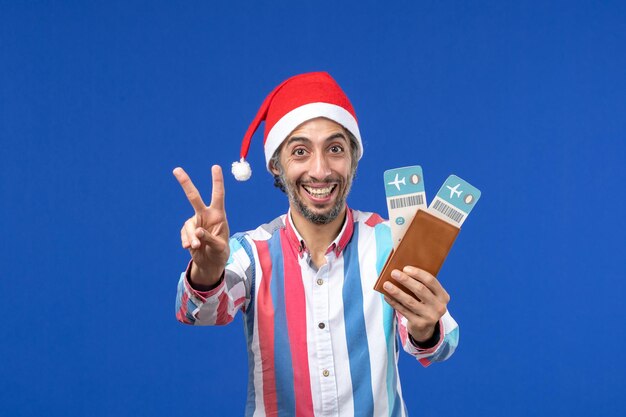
(425, 245)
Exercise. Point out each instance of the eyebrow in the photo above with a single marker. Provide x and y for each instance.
(307, 140)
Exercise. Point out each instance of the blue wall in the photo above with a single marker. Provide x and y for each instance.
(99, 102)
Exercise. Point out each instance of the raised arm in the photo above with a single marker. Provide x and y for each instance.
(206, 233)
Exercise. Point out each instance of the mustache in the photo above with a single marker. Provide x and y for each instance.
(329, 180)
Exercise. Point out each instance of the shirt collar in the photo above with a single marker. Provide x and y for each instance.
(337, 245)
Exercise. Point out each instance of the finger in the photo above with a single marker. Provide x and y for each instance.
(430, 309)
(422, 292)
(429, 281)
(407, 302)
(400, 308)
(217, 196)
(190, 190)
(416, 322)
(218, 229)
(191, 235)
(183, 238)
(210, 239)
(416, 325)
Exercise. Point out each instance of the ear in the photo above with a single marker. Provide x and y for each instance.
(275, 158)
(273, 169)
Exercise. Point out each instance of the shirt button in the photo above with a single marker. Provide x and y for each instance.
(325, 373)
(321, 325)
(320, 281)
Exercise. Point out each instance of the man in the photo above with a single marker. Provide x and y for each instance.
(320, 340)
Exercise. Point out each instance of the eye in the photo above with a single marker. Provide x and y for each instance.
(299, 152)
(336, 149)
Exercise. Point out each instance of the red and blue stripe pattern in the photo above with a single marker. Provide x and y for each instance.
(320, 341)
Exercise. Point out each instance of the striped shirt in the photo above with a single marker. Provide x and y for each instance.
(321, 342)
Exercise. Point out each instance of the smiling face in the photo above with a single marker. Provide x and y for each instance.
(316, 168)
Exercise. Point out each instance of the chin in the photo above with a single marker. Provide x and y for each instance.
(322, 210)
(317, 215)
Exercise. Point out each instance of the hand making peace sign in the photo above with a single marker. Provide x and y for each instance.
(205, 234)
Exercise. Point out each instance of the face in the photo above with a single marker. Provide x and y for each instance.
(316, 169)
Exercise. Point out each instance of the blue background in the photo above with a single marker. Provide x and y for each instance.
(100, 101)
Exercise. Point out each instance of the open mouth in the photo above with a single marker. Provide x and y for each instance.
(320, 193)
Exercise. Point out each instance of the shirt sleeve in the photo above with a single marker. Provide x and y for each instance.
(219, 305)
(448, 340)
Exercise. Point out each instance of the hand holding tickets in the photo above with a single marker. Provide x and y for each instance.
(431, 232)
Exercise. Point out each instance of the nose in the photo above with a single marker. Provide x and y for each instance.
(320, 168)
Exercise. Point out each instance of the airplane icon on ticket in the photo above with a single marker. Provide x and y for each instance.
(397, 182)
(454, 190)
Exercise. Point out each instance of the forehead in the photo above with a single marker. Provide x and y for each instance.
(318, 129)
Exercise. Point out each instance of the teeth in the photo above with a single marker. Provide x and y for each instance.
(319, 192)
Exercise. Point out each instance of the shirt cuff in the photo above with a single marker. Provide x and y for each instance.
(202, 294)
(431, 344)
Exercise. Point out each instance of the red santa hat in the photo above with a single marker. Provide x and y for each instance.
(296, 100)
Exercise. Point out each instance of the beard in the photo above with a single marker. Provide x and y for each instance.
(314, 216)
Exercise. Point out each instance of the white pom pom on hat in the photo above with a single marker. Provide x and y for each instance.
(241, 170)
(296, 100)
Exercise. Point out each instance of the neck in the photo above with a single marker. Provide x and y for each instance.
(317, 237)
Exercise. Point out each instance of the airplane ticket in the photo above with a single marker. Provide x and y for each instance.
(405, 192)
(454, 201)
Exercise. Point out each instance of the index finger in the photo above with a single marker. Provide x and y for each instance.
(217, 195)
(190, 190)
(426, 278)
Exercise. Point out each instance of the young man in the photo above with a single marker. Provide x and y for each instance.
(320, 340)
